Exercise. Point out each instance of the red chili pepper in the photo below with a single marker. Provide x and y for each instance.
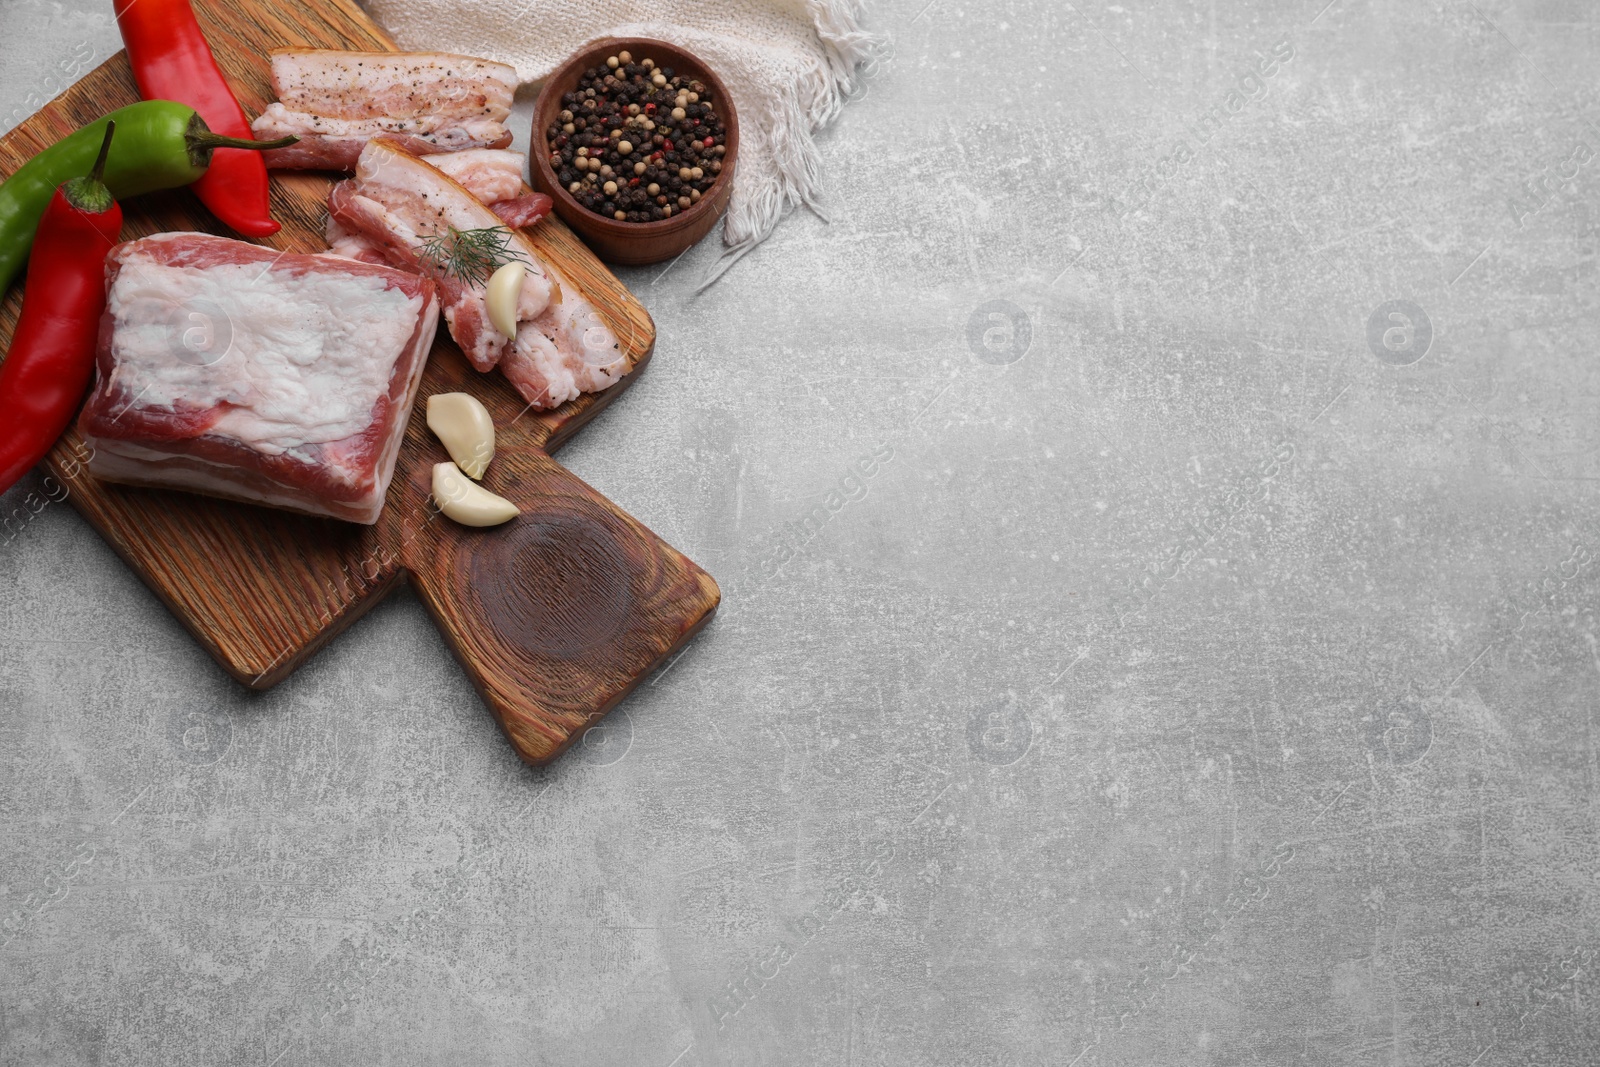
(171, 61)
(52, 351)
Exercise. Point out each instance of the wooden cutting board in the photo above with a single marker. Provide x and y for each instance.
(555, 616)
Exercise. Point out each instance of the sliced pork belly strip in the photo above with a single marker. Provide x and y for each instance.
(562, 348)
(238, 371)
(364, 85)
(490, 173)
(337, 101)
(562, 353)
(494, 175)
(518, 213)
(336, 144)
(396, 201)
(522, 211)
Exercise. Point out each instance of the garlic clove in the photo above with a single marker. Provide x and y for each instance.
(505, 287)
(467, 502)
(463, 425)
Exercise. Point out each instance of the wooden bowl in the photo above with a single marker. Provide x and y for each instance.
(632, 243)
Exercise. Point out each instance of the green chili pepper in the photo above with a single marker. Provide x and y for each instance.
(159, 145)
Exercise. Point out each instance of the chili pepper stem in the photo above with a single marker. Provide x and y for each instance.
(90, 194)
(202, 142)
(217, 140)
(97, 172)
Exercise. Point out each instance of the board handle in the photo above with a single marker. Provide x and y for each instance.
(559, 613)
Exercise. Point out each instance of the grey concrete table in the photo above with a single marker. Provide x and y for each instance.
(1197, 663)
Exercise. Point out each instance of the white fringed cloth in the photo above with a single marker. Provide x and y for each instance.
(789, 65)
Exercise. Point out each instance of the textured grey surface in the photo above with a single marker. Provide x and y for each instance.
(1208, 683)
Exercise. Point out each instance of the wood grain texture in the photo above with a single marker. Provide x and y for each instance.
(554, 616)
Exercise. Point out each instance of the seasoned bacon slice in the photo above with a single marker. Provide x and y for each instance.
(564, 352)
(238, 371)
(335, 102)
(396, 202)
(562, 348)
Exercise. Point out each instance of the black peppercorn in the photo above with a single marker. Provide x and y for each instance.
(649, 149)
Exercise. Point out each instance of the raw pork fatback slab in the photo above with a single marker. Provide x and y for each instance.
(270, 377)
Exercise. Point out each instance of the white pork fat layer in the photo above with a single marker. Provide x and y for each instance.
(293, 360)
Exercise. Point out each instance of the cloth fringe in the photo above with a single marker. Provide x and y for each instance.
(849, 54)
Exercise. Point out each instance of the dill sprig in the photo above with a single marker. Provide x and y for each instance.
(471, 255)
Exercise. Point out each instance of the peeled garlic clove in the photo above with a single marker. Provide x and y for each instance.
(463, 425)
(467, 502)
(505, 286)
